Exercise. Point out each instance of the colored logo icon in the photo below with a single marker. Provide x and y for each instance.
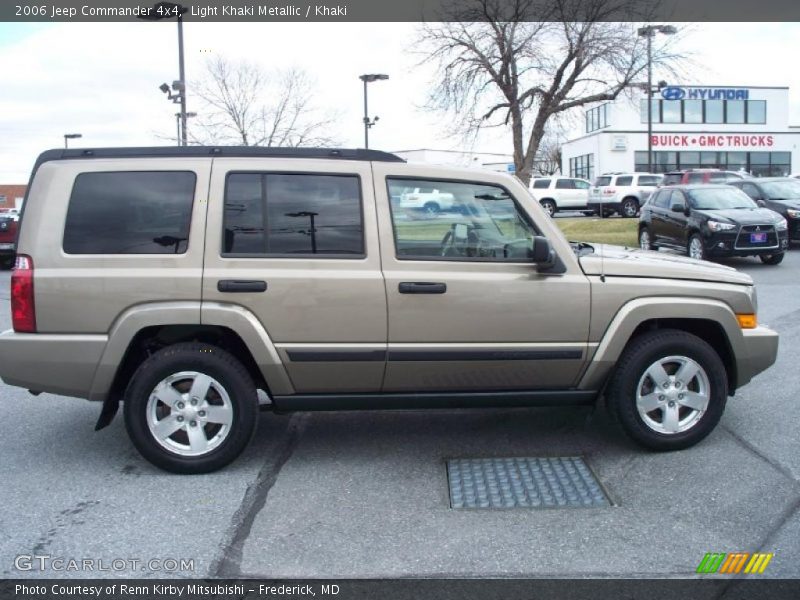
(734, 563)
(673, 93)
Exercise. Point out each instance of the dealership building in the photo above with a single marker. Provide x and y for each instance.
(725, 127)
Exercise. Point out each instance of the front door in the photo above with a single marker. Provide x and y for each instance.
(468, 311)
(297, 246)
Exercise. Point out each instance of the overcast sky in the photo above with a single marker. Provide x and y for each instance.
(101, 79)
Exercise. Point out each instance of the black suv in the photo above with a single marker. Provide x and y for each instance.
(712, 220)
(781, 194)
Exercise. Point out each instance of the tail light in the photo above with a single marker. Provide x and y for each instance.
(23, 311)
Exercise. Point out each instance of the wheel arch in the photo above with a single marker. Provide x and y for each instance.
(711, 320)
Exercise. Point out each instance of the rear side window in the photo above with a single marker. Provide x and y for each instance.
(601, 181)
(565, 184)
(292, 214)
(648, 180)
(624, 181)
(143, 212)
(541, 184)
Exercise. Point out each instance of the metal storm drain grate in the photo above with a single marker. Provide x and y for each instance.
(555, 482)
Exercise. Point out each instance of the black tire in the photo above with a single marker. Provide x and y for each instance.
(629, 208)
(696, 236)
(431, 209)
(650, 245)
(205, 359)
(637, 357)
(772, 259)
(549, 207)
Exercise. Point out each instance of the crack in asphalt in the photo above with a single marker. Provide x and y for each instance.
(228, 564)
(770, 461)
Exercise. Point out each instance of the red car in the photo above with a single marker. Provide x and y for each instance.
(690, 176)
(8, 241)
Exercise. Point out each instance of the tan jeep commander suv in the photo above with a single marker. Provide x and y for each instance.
(193, 284)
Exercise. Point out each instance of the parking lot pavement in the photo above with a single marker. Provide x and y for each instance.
(365, 494)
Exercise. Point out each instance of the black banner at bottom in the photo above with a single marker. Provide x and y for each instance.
(389, 589)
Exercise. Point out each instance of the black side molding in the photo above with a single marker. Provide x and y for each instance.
(394, 401)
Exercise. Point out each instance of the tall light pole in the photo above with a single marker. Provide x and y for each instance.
(178, 117)
(367, 122)
(71, 136)
(649, 32)
(168, 10)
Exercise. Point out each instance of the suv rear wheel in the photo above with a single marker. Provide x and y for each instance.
(549, 206)
(669, 390)
(191, 408)
(629, 208)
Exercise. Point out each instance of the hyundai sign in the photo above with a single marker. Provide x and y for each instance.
(701, 93)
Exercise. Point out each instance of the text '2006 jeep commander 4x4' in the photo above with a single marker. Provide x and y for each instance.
(183, 281)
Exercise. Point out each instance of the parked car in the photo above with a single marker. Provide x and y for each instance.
(712, 221)
(557, 193)
(622, 193)
(690, 176)
(781, 194)
(430, 201)
(8, 241)
(283, 274)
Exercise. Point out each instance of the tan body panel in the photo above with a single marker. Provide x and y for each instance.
(316, 300)
(87, 293)
(487, 304)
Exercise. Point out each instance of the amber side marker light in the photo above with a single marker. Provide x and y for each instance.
(747, 321)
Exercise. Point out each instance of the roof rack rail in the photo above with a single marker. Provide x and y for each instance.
(227, 151)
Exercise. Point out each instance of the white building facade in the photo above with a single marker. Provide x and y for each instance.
(455, 158)
(730, 128)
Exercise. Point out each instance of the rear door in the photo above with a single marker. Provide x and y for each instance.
(295, 243)
(675, 228)
(567, 194)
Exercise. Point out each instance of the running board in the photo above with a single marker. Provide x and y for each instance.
(392, 401)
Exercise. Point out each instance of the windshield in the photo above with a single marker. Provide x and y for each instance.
(782, 190)
(720, 199)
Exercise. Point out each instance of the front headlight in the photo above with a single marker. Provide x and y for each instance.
(781, 225)
(717, 226)
(794, 214)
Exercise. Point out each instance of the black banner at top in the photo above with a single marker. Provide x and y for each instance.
(403, 10)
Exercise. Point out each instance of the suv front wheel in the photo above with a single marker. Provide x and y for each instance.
(191, 408)
(669, 390)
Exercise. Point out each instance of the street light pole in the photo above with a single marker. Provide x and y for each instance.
(71, 136)
(649, 32)
(367, 122)
(182, 75)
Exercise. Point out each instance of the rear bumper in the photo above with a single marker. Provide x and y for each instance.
(59, 364)
(759, 351)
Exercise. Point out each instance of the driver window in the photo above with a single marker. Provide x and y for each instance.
(457, 221)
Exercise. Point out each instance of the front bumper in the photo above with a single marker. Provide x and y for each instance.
(730, 243)
(759, 351)
(56, 363)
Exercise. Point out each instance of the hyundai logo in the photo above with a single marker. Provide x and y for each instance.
(673, 93)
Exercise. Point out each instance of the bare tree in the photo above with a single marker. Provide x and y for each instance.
(548, 157)
(246, 105)
(498, 67)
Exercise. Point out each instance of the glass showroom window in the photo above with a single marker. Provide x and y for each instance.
(715, 111)
(671, 111)
(582, 166)
(656, 110)
(692, 111)
(735, 111)
(757, 111)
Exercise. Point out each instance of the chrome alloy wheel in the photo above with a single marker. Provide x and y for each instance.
(696, 248)
(673, 394)
(644, 240)
(189, 413)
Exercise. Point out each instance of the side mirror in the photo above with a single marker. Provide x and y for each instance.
(542, 253)
(678, 207)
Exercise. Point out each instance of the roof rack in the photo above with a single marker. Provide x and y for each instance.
(227, 151)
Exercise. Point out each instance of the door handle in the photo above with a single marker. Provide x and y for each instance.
(422, 287)
(240, 285)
